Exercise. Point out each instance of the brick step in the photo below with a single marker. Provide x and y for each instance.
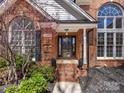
(68, 72)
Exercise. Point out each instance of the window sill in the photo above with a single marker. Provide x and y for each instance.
(110, 58)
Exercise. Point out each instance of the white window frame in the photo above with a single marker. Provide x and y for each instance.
(113, 30)
(23, 39)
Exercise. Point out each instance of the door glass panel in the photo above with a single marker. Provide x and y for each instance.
(67, 47)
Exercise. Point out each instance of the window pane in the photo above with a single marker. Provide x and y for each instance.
(109, 51)
(110, 10)
(100, 39)
(109, 23)
(100, 48)
(100, 22)
(109, 39)
(118, 22)
(100, 51)
(119, 51)
(119, 39)
(109, 45)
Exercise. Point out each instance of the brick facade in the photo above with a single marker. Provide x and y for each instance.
(94, 5)
(22, 8)
(92, 8)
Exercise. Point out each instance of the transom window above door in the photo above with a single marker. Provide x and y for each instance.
(110, 36)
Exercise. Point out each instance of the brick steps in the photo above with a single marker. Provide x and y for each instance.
(69, 72)
(67, 75)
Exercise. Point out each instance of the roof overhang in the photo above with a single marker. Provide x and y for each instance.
(68, 5)
(74, 27)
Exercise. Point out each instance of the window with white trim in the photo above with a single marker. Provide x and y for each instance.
(22, 35)
(110, 36)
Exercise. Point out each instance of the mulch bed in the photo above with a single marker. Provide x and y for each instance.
(103, 80)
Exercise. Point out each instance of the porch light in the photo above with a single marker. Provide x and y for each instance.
(66, 31)
(33, 59)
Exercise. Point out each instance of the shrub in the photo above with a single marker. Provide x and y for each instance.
(11, 89)
(19, 61)
(2, 63)
(46, 71)
(35, 84)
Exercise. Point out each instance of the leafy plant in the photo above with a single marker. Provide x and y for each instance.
(35, 84)
(19, 61)
(46, 71)
(11, 89)
(2, 63)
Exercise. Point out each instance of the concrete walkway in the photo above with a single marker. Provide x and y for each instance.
(67, 87)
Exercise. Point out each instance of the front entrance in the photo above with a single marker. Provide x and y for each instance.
(67, 46)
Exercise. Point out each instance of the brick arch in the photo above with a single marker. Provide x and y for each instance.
(16, 17)
(35, 23)
(22, 8)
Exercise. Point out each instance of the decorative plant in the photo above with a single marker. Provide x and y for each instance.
(35, 84)
(11, 89)
(2, 63)
(46, 71)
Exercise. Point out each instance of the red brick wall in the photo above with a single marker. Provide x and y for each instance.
(22, 8)
(92, 9)
(94, 6)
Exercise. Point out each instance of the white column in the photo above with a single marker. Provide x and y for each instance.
(85, 47)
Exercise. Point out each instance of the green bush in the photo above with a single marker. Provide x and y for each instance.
(35, 84)
(2, 63)
(46, 71)
(11, 89)
(19, 61)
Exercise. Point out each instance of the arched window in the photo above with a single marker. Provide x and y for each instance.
(22, 36)
(110, 32)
